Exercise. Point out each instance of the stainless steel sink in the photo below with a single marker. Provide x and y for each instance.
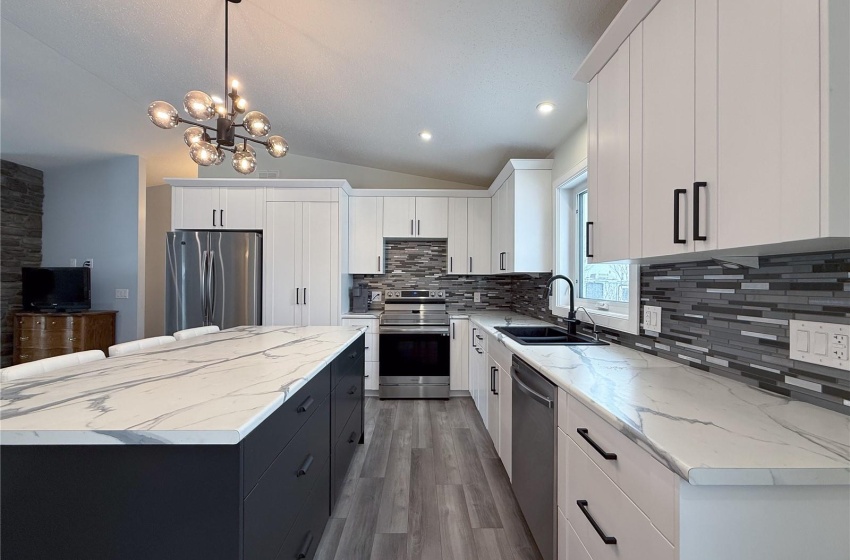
(548, 336)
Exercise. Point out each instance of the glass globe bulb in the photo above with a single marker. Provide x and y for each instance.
(247, 148)
(220, 157)
(277, 146)
(193, 135)
(199, 105)
(257, 124)
(203, 153)
(244, 162)
(163, 114)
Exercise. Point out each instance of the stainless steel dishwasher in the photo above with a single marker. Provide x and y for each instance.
(534, 421)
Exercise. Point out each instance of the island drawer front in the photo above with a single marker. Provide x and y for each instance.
(614, 513)
(346, 398)
(266, 441)
(648, 483)
(344, 450)
(275, 501)
(350, 363)
(303, 539)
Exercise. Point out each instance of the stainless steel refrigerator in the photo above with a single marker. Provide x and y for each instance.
(213, 278)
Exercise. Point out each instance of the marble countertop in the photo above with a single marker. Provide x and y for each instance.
(212, 389)
(708, 429)
(372, 314)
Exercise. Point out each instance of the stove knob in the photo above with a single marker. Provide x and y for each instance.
(432, 294)
(441, 294)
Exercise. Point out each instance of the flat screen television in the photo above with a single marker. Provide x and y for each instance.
(56, 289)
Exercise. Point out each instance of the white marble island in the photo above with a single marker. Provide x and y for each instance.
(232, 445)
(212, 389)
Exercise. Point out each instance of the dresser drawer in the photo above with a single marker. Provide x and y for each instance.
(47, 339)
(347, 398)
(303, 539)
(267, 440)
(648, 483)
(24, 355)
(344, 450)
(594, 498)
(275, 501)
(45, 322)
(350, 364)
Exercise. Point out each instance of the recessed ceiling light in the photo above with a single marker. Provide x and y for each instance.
(546, 107)
(425, 135)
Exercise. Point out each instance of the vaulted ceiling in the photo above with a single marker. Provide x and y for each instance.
(352, 81)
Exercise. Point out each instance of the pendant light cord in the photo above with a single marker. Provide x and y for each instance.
(226, 41)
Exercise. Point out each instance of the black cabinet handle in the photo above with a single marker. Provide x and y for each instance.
(213, 217)
(411, 227)
(221, 220)
(495, 381)
(453, 331)
(470, 264)
(582, 505)
(492, 379)
(587, 252)
(305, 296)
(352, 389)
(451, 264)
(297, 298)
(418, 227)
(308, 402)
(583, 432)
(379, 264)
(352, 437)
(697, 186)
(305, 466)
(352, 355)
(676, 198)
(473, 337)
(305, 546)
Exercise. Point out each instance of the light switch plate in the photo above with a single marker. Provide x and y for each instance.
(652, 318)
(377, 295)
(826, 344)
(476, 297)
(122, 293)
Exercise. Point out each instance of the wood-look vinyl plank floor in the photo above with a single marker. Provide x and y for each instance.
(426, 485)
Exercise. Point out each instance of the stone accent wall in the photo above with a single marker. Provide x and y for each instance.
(21, 201)
(422, 264)
(734, 323)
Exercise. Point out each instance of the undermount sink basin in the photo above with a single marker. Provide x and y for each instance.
(551, 336)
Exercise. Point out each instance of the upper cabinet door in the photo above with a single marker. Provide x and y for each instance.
(432, 217)
(668, 127)
(195, 208)
(366, 238)
(283, 257)
(241, 208)
(400, 217)
(591, 232)
(320, 252)
(458, 237)
(478, 229)
(768, 96)
(496, 227)
(507, 224)
(611, 226)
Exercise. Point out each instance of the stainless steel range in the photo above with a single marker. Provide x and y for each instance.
(414, 336)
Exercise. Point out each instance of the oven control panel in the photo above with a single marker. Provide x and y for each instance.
(415, 294)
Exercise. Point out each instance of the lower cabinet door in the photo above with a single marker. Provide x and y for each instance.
(371, 374)
(303, 539)
(344, 450)
(505, 419)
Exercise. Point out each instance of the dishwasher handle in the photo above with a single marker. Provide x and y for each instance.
(531, 392)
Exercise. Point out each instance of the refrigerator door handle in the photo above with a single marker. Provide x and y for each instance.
(211, 288)
(204, 270)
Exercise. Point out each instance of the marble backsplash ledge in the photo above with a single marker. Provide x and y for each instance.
(422, 264)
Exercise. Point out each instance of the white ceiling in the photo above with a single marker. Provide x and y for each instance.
(345, 80)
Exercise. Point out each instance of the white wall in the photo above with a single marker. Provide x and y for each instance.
(157, 224)
(300, 167)
(570, 153)
(97, 210)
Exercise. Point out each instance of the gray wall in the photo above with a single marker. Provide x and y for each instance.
(96, 210)
(734, 323)
(21, 199)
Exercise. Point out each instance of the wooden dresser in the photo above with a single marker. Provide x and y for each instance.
(43, 335)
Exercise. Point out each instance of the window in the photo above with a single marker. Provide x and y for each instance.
(608, 291)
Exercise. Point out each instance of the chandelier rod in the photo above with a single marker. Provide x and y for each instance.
(226, 46)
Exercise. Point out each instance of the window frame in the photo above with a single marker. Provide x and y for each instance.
(619, 316)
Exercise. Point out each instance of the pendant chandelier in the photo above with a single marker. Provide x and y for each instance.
(204, 149)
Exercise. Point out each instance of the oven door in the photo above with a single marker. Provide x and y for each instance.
(414, 362)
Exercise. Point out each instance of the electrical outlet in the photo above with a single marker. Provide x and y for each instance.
(827, 344)
(122, 293)
(72, 262)
(652, 318)
(377, 295)
(88, 263)
(476, 297)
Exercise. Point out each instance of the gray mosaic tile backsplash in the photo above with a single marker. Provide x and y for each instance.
(734, 323)
(422, 264)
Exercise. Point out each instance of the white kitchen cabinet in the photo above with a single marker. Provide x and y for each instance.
(505, 388)
(416, 217)
(522, 223)
(611, 186)
(478, 382)
(492, 419)
(301, 253)
(370, 325)
(459, 355)
(366, 237)
(469, 236)
(592, 170)
(227, 208)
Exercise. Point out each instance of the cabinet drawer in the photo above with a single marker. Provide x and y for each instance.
(574, 550)
(371, 375)
(477, 337)
(616, 516)
(499, 352)
(649, 484)
(344, 450)
(268, 439)
(45, 323)
(369, 323)
(303, 539)
(350, 363)
(274, 502)
(47, 339)
(347, 398)
(372, 350)
(24, 355)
